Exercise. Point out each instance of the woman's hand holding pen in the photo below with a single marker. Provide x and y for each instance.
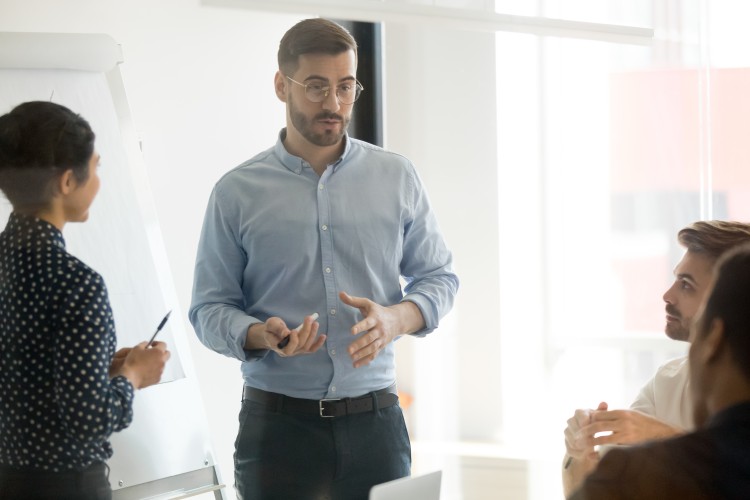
(142, 365)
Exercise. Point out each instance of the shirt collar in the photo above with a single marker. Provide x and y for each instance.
(28, 227)
(295, 163)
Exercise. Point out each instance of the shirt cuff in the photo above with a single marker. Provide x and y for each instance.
(122, 383)
(424, 305)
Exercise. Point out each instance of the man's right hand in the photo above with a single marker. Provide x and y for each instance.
(577, 445)
(581, 457)
(267, 335)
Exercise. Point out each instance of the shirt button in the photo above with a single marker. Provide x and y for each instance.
(324, 227)
(328, 270)
(320, 187)
(333, 389)
(333, 352)
(333, 312)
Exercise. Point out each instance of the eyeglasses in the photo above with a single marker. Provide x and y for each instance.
(346, 93)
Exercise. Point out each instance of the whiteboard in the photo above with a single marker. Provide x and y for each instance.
(122, 241)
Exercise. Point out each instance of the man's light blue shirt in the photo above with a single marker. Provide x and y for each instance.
(278, 240)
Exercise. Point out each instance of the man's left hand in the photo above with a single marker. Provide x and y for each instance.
(627, 427)
(382, 324)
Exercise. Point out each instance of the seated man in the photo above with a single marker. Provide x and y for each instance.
(712, 462)
(663, 408)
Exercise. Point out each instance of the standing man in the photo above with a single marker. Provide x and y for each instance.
(713, 461)
(320, 223)
(664, 407)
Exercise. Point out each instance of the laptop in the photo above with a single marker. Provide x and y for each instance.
(421, 487)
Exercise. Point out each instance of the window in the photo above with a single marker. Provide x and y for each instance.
(602, 153)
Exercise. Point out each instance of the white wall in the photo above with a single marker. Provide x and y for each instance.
(199, 83)
(440, 90)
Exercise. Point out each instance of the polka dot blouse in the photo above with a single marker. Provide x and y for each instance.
(58, 405)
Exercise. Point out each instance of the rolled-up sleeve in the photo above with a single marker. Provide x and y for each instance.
(217, 310)
(427, 264)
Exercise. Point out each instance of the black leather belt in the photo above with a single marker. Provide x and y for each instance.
(325, 408)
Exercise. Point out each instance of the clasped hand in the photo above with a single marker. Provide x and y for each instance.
(590, 428)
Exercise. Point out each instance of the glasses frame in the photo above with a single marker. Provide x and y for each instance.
(327, 91)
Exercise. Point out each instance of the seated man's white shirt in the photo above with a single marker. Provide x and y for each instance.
(667, 395)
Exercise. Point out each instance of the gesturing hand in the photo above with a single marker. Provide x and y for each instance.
(382, 325)
(301, 341)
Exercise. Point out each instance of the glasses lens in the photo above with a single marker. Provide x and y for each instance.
(316, 92)
(349, 93)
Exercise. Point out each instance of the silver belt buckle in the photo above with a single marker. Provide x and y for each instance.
(320, 406)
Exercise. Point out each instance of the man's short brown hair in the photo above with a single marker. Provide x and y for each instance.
(713, 237)
(313, 36)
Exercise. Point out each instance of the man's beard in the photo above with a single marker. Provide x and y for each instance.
(304, 126)
(677, 330)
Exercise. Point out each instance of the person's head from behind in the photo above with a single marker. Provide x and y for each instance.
(705, 242)
(47, 161)
(720, 350)
(317, 79)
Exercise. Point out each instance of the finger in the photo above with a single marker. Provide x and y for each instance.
(572, 424)
(308, 336)
(603, 406)
(159, 346)
(583, 441)
(582, 417)
(597, 427)
(288, 343)
(276, 325)
(364, 325)
(613, 438)
(366, 355)
(318, 343)
(307, 321)
(370, 350)
(572, 438)
(302, 331)
(353, 301)
(276, 334)
(365, 361)
(609, 415)
(361, 343)
(279, 341)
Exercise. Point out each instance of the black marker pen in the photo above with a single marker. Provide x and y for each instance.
(158, 329)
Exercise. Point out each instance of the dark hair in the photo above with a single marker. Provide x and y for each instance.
(713, 237)
(729, 301)
(39, 141)
(313, 36)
